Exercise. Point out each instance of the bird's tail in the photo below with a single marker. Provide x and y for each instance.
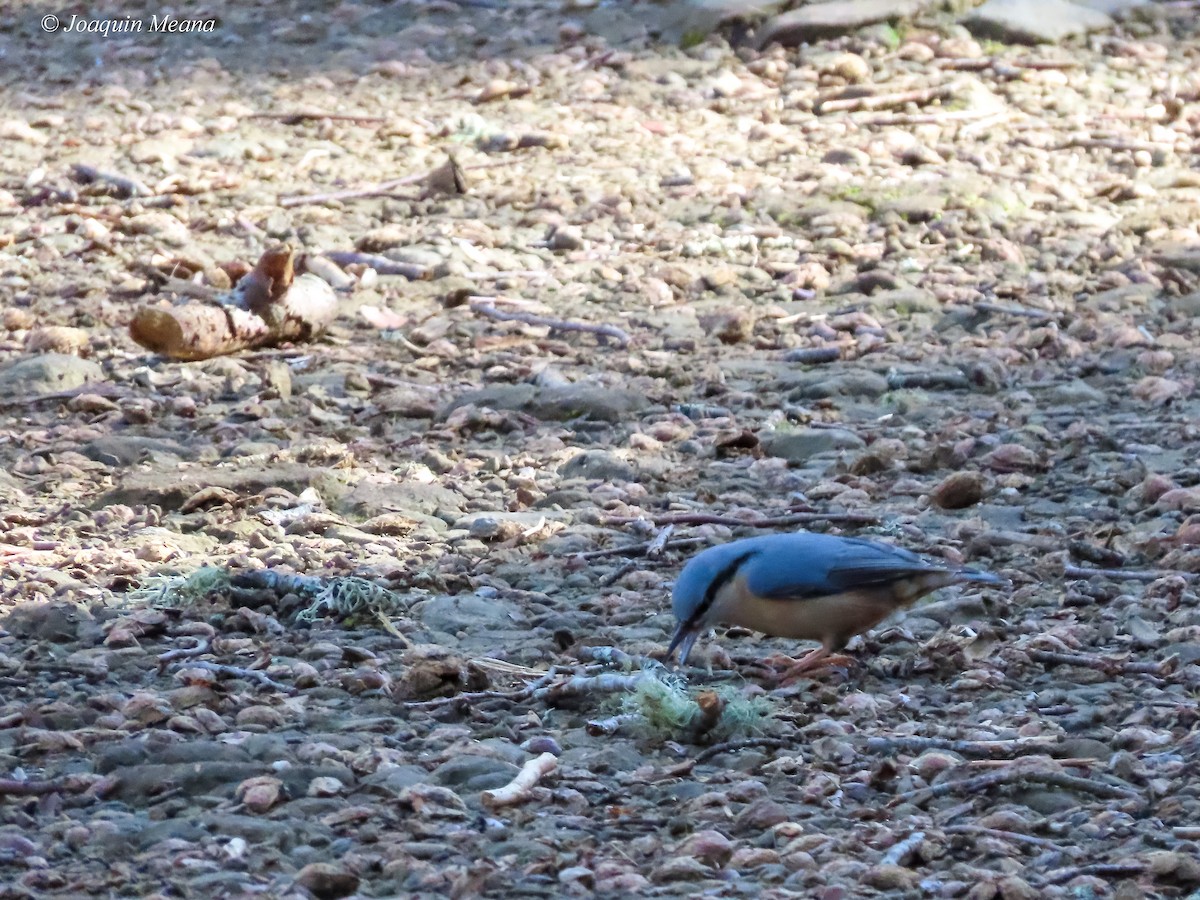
(979, 577)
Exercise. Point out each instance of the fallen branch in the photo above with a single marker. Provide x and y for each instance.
(617, 574)
(380, 264)
(268, 306)
(998, 749)
(604, 683)
(611, 725)
(1015, 776)
(1101, 870)
(486, 306)
(1127, 574)
(641, 549)
(295, 118)
(1024, 311)
(761, 522)
(920, 96)
(203, 645)
(980, 831)
(901, 850)
(1105, 664)
(65, 784)
(435, 179)
(521, 788)
(239, 672)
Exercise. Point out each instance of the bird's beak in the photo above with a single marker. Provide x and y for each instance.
(685, 636)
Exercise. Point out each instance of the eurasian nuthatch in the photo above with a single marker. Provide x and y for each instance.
(806, 586)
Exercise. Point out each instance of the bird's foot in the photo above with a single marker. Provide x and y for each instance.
(785, 670)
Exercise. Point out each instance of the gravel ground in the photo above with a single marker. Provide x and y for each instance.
(901, 283)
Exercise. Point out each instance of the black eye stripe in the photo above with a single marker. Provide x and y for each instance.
(722, 578)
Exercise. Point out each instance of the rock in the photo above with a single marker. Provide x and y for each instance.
(1074, 393)
(127, 449)
(819, 385)
(598, 465)
(471, 774)
(556, 402)
(55, 622)
(1033, 21)
(327, 881)
(1118, 9)
(170, 488)
(960, 490)
(824, 20)
(46, 374)
(800, 446)
(469, 613)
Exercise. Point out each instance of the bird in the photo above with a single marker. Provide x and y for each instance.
(806, 586)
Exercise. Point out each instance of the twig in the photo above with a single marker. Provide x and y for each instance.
(1108, 665)
(978, 64)
(486, 306)
(604, 683)
(638, 549)
(998, 749)
(617, 574)
(1102, 870)
(611, 656)
(380, 189)
(919, 96)
(64, 784)
(295, 118)
(520, 788)
(1025, 311)
(1127, 574)
(767, 743)
(1019, 776)
(380, 264)
(239, 672)
(899, 851)
(761, 522)
(203, 645)
(611, 725)
(1002, 835)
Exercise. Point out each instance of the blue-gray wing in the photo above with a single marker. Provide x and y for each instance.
(816, 568)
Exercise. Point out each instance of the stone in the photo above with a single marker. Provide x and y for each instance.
(468, 612)
(470, 774)
(800, 446)
(1033, 21)
(555, 402)
(46, 374)
(598, 465)
(825, 20)
(1074, 393)
(820, 385)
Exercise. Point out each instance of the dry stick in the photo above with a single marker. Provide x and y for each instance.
(979, 830)
(1127, 574)
(763, 522)
(1019, 776)
(380, 264)
(883, 101)
(611, 725)
(380, 189)
(203, 645)
(295, 118)
(1025, 311)
(973, 64)
(617, 574)
(521, 788)
(66, 784)
(1103, 663)
(998, 749)
(239, 672)
(604, 683)
(1102, 870)
(477, 696)
(638, 549)
(899, 851)
(486, 306)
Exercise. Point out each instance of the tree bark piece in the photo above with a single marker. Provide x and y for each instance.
(267, 307)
